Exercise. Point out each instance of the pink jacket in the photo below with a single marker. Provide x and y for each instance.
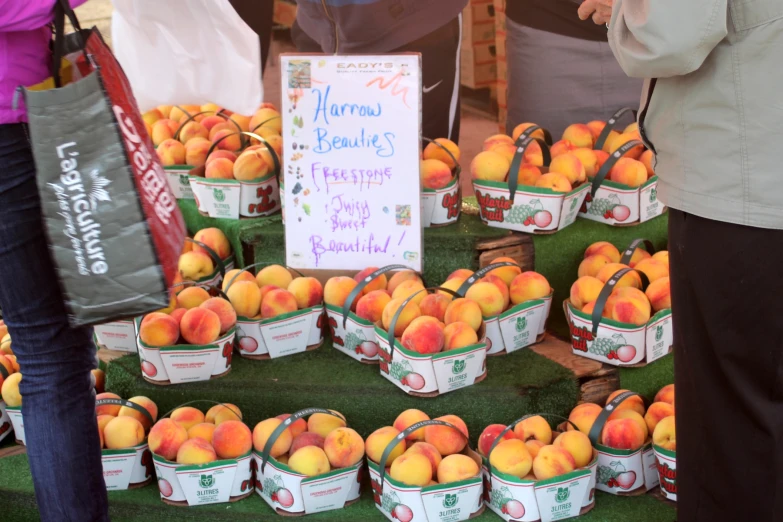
(24, 50)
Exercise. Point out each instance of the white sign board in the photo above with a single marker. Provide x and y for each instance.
(352, 131)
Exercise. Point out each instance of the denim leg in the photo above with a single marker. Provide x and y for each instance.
(58, 402)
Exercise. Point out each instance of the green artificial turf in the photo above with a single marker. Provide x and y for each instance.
(648, 380)
(144, 505)
(516, 384)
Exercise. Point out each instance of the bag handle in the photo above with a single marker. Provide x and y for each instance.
(600, 421)
(628, 253)
(609, 164)
(363, 283)
(62, 9)
(523, 142)
(393, 323)
(479, 274)
(606, 291)
(610, 125)
(270, 442)
(129, 404)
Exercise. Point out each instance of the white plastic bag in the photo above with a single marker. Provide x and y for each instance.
(188, 52)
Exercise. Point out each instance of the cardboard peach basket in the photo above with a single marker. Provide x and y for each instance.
(6, 427)
(666, 463)
(521, 500)
(222, 481)
(6, 421)
(520, 326)
(287, 334)
(616, 204)
(235, 199)
(127, 468)
(443, 206)
(534, 210)
(430, 375)
(454, 502)
(293, 494)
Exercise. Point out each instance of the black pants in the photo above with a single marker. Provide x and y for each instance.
(440, 55)
(726, 285)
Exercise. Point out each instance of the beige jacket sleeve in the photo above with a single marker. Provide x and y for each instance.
(665, 38)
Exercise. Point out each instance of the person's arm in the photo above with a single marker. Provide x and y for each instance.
(665, 38)
(26, 15)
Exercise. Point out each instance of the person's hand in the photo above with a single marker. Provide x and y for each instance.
(599, 10)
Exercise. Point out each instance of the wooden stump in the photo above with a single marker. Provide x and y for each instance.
(515, 245)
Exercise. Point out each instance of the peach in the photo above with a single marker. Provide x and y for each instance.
(434, 305)
(265, 290)
(219, 168)
(268, 117)
(412, 469)
(628, 172)
(147, 404)
(122, 432)
(579, 135)
(434, 173)
(337, 290)
(215, 239)
(534, 446)
(654, 269)
(370, 306)
(220, 413)
(10, 390)
(578, 445)
(379, 283)
(407, 419)
(223, 309)
(192, 130)
(662, 255)
(596, 128)
(435, 151)
(236, 275)
(323, 423)
(376, 444)
(647, 160)
(496, 139)
(621, 140)
(296, 427)
(224, 154)
(623, 434)
(490, 435)
(200, 326)
(245, 297)
(639, 254)
(512, 458)
(210, 108)
(264, 430)
(177, 112)
(500, 285)
(399, 277)
(533, 154)
(602, 157)
(631, 309)
(665, 434)
(178, 314)
(251, 165)
(14, 363)
(406, 317)
(407, 289)
(166, 437)
(196, 152)
(527, 286)
(522, 127)
(633, 403)
(591, 265)
(307, 292)
(464, 310)
(583, 416)
(163, 130)
(452, 284)
(665, 394)
(429, 451)
(656, 412)
(309, 461)
(634, 416)
(151, 116)
(196, 451)
(488, 297)
(344, 447)
(447, 440)
(277, 302)
(561, 147)
(195, 265)
(589, 161)
(159, 330)
(171, 152)
(107, 409)
(506, 273)
(306, 439)
(659, 294)
(103, 420)
(187, 416)
(490, 166)
(454, 468)
(242, 121)
(232, 439)
(458, 335)
(554, 181)
(6, 363)
(205, 431)
(225, 137)
(552, 461)
(210, 121)
(534, 428)
(528, 175)
(585, 290)
(604, 248)
(629, 279)
(570, 166)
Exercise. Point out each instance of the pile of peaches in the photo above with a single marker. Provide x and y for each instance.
(574, 158)
(312, 447)
(184, 134)
(195, 262)
(532, 452)
(437, 166)
(628, 303)
(189, 436)
(123, 427)
(428, 456)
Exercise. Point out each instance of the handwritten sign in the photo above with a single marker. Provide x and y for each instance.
(352, 131)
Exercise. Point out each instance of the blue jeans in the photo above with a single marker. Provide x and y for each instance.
(58, 402)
